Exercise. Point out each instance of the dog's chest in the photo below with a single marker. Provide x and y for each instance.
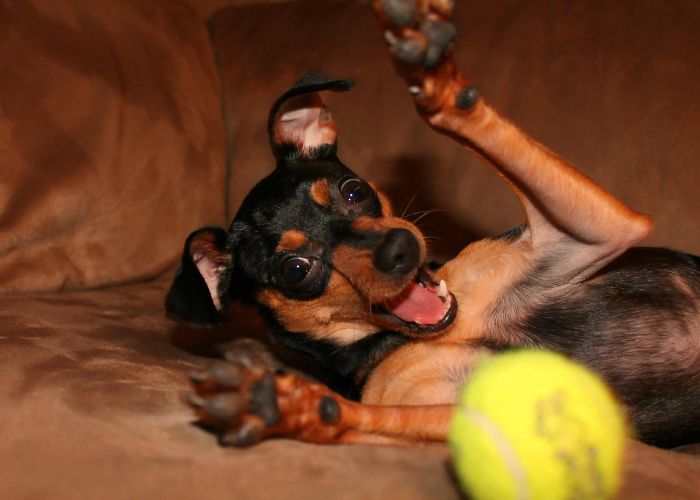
(483, 278)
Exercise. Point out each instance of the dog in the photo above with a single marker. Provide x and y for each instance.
(340, 278)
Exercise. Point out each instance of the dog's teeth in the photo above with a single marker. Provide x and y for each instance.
(442, 290)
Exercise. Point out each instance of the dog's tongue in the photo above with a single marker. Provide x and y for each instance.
(417, 304)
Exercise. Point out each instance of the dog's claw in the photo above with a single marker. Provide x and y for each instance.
(251, 361)
(416, 91)
(246, 435)
(198, 377)
(390, 38)
(195, 401)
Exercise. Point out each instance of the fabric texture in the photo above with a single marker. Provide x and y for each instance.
(612, 88)
(111, 141)
(92, 407)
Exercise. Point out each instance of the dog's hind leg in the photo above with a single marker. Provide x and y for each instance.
(246, 401)
(569, 216)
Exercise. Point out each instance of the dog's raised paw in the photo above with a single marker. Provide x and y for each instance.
(440, 35)
(419, 33)
(401, 13)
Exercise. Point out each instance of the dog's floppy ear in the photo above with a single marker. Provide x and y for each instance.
(196, 293)
(299, 124)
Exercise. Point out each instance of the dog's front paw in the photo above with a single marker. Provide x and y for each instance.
(236, 397)
(248, 401)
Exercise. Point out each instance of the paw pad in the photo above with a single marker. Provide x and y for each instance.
(329, 409)
(467, 98)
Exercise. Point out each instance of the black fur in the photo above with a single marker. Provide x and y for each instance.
(512, 234)
(629, 323)
(281, 202)
(343, 368)
(277, 203)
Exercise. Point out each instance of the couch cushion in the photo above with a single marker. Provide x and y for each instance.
(92, 407)
(111, 143)
(614, 90)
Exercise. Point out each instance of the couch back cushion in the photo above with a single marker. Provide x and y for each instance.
(111, 140)
(612, 89)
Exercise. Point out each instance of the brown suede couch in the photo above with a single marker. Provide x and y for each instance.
(126, 125)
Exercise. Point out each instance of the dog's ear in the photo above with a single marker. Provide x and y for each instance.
(196, 293)
(300, 125)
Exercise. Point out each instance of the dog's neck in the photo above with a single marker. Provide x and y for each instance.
(350, 364)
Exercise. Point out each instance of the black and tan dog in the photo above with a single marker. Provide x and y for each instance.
(345, 281)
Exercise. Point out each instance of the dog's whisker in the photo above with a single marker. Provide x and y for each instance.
(410, 202)
(425, 213)
(419, 191)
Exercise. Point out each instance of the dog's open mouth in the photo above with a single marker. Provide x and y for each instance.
(422, 307)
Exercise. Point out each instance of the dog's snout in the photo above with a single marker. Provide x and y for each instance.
(398, 253)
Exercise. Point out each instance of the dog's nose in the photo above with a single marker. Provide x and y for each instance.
(398, 254)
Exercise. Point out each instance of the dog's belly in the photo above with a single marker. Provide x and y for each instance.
(637, 324)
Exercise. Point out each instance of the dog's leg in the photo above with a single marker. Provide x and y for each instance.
(248, 402)
(568, 214)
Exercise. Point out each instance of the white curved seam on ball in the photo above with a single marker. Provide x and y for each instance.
(504, 447)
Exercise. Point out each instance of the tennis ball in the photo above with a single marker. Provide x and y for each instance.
(534, 425)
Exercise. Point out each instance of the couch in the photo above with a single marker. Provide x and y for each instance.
(126, 125)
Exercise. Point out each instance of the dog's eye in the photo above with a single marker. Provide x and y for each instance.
(295, 270)
(354, 191)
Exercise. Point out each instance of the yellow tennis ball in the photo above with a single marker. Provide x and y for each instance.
(534, 425)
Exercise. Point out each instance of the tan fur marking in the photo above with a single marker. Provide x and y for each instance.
(387, 209)
(480, 276)
(384, 224)
(319, 193)
(421, 373)
(340, 314)
(358, 268)
(291, 240)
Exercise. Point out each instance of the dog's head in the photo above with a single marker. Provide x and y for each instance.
(314, 244)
